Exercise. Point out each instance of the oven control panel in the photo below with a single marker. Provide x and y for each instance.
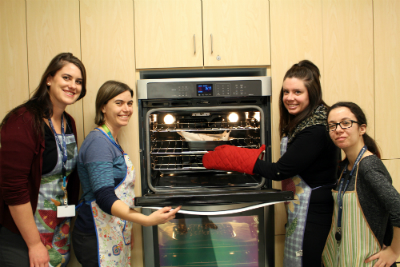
(204, 89)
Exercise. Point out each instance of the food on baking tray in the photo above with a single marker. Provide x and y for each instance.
(205, 137)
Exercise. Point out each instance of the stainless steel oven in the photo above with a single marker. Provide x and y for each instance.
(180, 120)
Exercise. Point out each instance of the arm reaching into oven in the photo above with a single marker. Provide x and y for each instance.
(232, 158)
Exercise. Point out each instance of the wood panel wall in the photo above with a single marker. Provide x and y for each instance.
(387, 77)
(107, 43)
(13, 56)
(55, 31)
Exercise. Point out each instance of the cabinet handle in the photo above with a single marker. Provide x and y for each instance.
(194, 43)
(212, 50)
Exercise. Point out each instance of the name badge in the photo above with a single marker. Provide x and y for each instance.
(66, 211)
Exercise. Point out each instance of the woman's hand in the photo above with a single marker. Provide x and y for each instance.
(38, 255)
(386, 257)
(23, 218)
(162, 216)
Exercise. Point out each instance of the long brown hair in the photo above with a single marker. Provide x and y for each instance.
(39, 104)
(309, 73)
(361, 119)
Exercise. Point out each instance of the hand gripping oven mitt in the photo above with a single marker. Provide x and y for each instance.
(232, 158)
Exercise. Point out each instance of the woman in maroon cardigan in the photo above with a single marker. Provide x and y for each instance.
(38, 177)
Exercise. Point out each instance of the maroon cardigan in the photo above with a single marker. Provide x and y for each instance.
(21, 160)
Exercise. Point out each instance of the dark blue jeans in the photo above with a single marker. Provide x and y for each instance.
(13, 249)
(85, 248)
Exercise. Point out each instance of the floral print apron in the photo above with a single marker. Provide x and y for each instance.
(54, 232)
(113, 233)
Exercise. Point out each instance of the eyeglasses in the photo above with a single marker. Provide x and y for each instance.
(343, 124)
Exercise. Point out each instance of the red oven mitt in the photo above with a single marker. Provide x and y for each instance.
(232, 158)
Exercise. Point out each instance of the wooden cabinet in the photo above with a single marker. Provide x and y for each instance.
(186, 33)
(236, 33)
(168, 33)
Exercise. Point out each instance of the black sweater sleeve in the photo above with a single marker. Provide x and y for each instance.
(312, 155)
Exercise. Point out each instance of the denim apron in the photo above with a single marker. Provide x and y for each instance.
(297, 211)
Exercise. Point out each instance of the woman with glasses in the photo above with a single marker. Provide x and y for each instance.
(365, 225)
(307, 165)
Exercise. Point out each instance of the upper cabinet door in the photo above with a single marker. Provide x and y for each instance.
(236, 32)
(168, 33)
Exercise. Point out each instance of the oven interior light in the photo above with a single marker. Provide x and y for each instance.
(169, 119)
(233, 117)
(257, 116)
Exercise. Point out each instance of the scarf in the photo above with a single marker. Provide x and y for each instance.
(319, 116)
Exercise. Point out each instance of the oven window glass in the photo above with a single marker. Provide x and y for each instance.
(179, 139)
(210, 241)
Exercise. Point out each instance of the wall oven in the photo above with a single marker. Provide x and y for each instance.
(180, 120)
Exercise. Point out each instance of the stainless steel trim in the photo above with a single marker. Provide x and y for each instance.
(194, 43)
(212, 49)
(266, 87)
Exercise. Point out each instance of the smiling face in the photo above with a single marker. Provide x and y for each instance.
(65, 86)
(346, 138)
(118, 110)
(295, 95)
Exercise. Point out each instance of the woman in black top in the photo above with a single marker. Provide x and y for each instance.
(307, 165)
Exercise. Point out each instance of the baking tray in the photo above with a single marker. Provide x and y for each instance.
(205, 145)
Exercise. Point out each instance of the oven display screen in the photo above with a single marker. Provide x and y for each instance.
(204, 90)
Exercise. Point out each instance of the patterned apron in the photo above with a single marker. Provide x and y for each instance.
(54, 232)
(297, 216)
(113, 233)
(358, 241)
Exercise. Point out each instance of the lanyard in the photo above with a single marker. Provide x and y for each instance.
(63, 149)
(110, 137)
(338, 235)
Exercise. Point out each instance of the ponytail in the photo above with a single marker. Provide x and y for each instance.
(371, 145)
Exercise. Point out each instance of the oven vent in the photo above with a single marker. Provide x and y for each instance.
(157, 104)
(228, 102)
(249, 101)
(180, 103)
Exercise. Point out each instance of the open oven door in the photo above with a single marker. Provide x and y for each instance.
(223, 197)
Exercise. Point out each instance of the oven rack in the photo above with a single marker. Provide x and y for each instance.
(208, 126)
(179, 147)
(178, 162)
